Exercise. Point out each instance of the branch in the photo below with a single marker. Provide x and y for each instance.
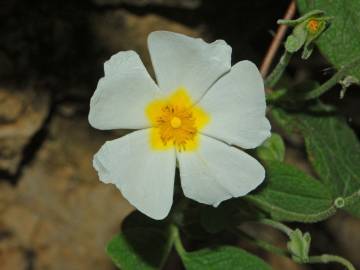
(332, 81)
(326, 258)
(275, 75)
(275, 43)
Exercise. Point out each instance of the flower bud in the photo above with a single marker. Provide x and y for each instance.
(299, 245)
(306, 30)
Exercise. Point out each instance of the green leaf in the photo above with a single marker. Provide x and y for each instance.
(333, 150)
(291, 195)
(340, 43)
(223, 258)
(272, 149)
(144, 244)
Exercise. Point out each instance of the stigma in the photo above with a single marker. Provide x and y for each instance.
(175, 122)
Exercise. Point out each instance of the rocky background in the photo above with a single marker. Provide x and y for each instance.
(54, 213)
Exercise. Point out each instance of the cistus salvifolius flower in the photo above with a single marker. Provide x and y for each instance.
(199, 107)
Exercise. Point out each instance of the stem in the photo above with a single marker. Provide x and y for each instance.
(269, 247)
(261, 243)
(277, 225)
(177, 241)
(176, 215)
(275, 75)
(327, 258)
(349, 200)
(302, 18)
(275, 43)
(332, 81)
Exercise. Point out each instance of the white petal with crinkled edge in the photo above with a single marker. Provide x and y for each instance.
(236, 104)
(217, 172)
(122, 95)
(182, 61)
(144, 176)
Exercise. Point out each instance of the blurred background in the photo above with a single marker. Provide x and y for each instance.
(54, 213)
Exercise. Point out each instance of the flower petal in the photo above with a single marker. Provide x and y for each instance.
(217, 172)
(236, 104)
(145, 177)
(122, 94)
(182, 61)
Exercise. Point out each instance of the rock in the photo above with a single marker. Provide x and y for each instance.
(119, 30)
(190, 4)
(13, 259)
(11, 105)
(59, 210)
(281, 262)
(11, 217)
(346, 231)
(22, 114)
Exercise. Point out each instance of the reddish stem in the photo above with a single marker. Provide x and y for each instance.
(275, 43)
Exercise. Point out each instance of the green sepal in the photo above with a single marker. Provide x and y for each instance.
(302, 36)
(297, 39)
(299, 246)
(303, 18)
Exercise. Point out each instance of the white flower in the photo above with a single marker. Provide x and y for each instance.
(199, 107)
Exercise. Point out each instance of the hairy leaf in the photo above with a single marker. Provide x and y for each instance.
(223, 258)
(339, 43)
(291, 195)
(333, 150)
(143, 245)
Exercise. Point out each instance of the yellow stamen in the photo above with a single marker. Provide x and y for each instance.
(175, 122)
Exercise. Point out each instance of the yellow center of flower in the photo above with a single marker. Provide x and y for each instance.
(313, 25)
(175, 122)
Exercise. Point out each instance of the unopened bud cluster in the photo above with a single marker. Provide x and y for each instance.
(306, 30)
